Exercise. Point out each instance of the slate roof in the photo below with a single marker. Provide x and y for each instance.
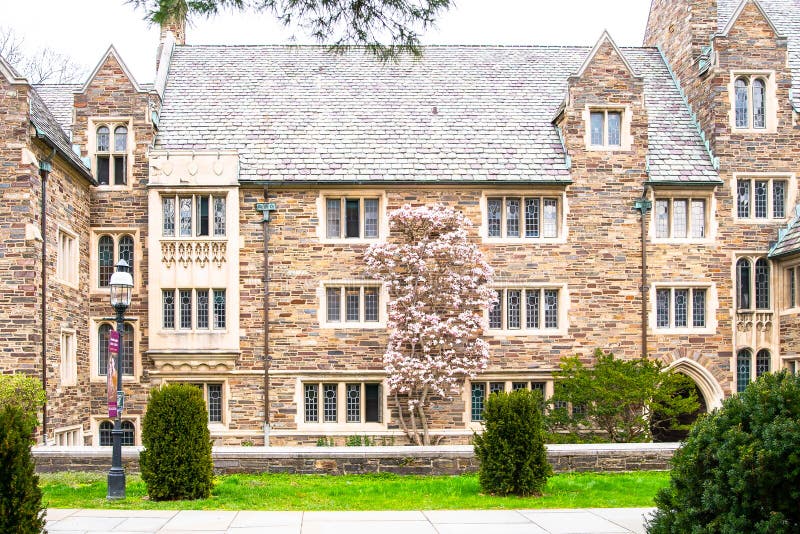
(49, 127)
(461, 113)
(59, 99)
(788, 238)
(785, 15)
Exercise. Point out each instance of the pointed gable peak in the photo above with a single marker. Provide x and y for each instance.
(738, 12)
(11, 73)
(111, 52)
(605, 37)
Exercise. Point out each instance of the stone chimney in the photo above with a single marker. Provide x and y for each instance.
(178, 29)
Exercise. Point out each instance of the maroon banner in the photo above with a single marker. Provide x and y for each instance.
(111, 372)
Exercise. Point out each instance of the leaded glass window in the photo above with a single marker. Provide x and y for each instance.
(352, 218)
(762, 284)
(597, 125)
(778, 199)
(532, 308)
(185, 204)
(515, 386)
(352, 212)
(103, 159)
(370, 217)
(699, 308)
(550, 223)
(103, 139)
(496, 387)
(550, 308)
(662, 218)
(329, 403)
(105, 260)
(102, 349)
(762, 362)
(614, 128)
(792, 287)
(220, 317)
(759, 104)
(352, 296)
(120, 139)
(496, 312)
(214, 403)
(478, 398)
(371, 309)
(512, 217)
(742, 106)
(743, 198)
(219, 216)
(698, 218)
(662, 308)
(494, 207)
(334, 303)
(311, 396)
(679, 218)
(743, 284)
(532, 217)
(168, 308)
(126, 349)
(168, 215)
(513, 308)
(128, 438)
(185, 299)
(681, 308)
(333, 217)
(126, 251)
(760, 199)
(353, 403)
(743, 362)
(202, 308)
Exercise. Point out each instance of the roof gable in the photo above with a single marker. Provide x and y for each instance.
(111, 52)
(10, 72)
(738, 12)
(605, 37)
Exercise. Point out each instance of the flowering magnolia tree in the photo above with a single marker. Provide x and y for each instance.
(439, 286)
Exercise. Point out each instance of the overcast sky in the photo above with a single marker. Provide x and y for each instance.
(86, 28)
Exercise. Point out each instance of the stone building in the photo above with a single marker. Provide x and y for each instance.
(555, 153)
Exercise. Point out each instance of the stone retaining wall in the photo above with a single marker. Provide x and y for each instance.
(450, 460)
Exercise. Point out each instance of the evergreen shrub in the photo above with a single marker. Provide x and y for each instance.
(176, 461)
(21, 509)
(739, 469)
(513, 459)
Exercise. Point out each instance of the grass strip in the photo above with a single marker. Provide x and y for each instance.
(382, 491)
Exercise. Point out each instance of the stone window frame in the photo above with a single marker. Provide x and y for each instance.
(116, 233)
(194, 309)
(770, 100)
(360, 194)
(753, 294)
(689, 195)
(790, 275)
(563, 311)
(62, 436)
(711, 307)
(626, 138)
(508, 381)
(213, 233)
(754, 369)
(96, 420)
(322, 309)
(789, 200)
(67, 257)
(341, 425)
(94, 346)
(68, 357)
(541, 192)
(112, 122)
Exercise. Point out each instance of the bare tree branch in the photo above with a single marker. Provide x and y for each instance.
(44, 65)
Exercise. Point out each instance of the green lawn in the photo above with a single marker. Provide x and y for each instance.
(362, 492)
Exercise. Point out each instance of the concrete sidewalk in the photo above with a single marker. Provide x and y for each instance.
(595, 520)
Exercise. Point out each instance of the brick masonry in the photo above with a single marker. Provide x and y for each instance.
(451, 460)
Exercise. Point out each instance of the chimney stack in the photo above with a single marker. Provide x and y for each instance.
(175, 26)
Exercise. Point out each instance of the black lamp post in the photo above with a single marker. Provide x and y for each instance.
(121, 288)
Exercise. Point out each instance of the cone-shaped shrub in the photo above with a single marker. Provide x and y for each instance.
(176, 460)
(513, 459)
(739, 469)
(20, 497)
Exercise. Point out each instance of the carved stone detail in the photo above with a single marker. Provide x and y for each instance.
(195, 252)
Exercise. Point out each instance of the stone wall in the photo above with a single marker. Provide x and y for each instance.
(451, 460)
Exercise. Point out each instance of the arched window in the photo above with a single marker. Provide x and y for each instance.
(743, 284)
(762, 284)
(744, 359)
(105, 260)
(762, 362)
(127, 348)
(126, 251)
(759, 103)
(742, 104)
(128, 433)
(111, 162)
(120, 139)
(102, 139)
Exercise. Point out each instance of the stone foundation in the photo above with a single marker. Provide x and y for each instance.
(449, 460)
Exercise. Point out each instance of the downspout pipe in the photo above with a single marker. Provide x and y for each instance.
(644, 205)
(45, 168)
(267, 358)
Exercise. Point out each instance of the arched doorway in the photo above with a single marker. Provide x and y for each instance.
(670, 435)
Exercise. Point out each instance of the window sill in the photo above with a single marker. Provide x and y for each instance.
(187, 332)
(768, 130)
(523, 240)
(607, 148)
(790, 311)
(353, 326)
(126, 379)
(706, 331)
(73, 285)
(342, 427)
(351, 240)
(111, 188)
(768, 220)
(683, 241)
(527, 332)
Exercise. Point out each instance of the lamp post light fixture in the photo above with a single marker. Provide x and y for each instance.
(121, 288)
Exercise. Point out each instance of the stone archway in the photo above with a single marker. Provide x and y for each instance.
(705, 381)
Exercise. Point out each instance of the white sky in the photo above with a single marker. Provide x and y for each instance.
(85, 29)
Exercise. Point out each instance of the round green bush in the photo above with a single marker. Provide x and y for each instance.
(176, 461)
(20, 497)
(513, 459)
(739, 469)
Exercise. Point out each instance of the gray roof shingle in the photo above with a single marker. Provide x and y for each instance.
(59, 99)
(461, 113)
(785, 15)
(788, 238)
